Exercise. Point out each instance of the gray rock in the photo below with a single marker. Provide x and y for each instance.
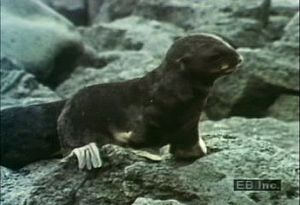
(109, 10)
(284, 7)
(266, 74)
(273, 67)
(257, 148)
(121, 66)
(43, 41)
(238, 148)
(132, 33)
(181, 13)
(281, 11)
(28, 185)
(172, 11)
(93, 7)
(147, 201)
(74, 10)
(243, 22)
(104, 38)
(288, 45)
(286, 107)
(251, 90)
(292, 29)
(275, 27)
(21, 88)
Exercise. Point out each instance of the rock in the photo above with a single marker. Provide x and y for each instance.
(288, 45)
(21, 88)
(284, 7)
(273, 67)
(103, 38)
(251, 90)
(132, 33)
(147, 201)
(173, 11)
(266, 74)
(247, 149)
(292, 29)
(238, 148)
(5, 172)
(76, 11)
(286, 107)
(181, 13)
(109, 10)
(281, 11)
(275, 27)
(196, 16)
(121, 66)
(93, 7)
(243, 23)
(40, 39)
(28, 181)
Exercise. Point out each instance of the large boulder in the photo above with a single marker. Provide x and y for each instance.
(238, 149)
(284, 7)
(286, 107)
(132, 33)
(128, 48)
(266, 74)
(239, 21)
(288, 44)
(281, 12)
(109, 10)
(43, 41)
(121, 66)
(21, 88)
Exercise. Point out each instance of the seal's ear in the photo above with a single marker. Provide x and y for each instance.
(182, 61)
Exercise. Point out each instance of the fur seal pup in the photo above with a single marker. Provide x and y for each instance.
(163, 107)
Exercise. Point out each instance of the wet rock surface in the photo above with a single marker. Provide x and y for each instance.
(116, 40)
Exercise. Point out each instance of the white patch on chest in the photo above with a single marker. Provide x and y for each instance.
(122, 137)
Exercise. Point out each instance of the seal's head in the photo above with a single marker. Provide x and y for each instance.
(204, 55)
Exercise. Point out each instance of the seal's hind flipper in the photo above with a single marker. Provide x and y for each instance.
(88, 156)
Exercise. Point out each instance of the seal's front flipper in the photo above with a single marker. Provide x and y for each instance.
(88, 156)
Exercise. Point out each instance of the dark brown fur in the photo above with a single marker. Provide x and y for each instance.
(163, 107)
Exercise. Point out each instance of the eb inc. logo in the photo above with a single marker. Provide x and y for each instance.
(256, 185)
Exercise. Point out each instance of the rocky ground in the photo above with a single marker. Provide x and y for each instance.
(52, 48)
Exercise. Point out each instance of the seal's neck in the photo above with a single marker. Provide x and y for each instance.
(170, 83)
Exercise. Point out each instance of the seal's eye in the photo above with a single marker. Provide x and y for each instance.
(224, 67)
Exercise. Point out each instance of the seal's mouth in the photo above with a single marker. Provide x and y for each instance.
(229, 69)
(225, 69)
